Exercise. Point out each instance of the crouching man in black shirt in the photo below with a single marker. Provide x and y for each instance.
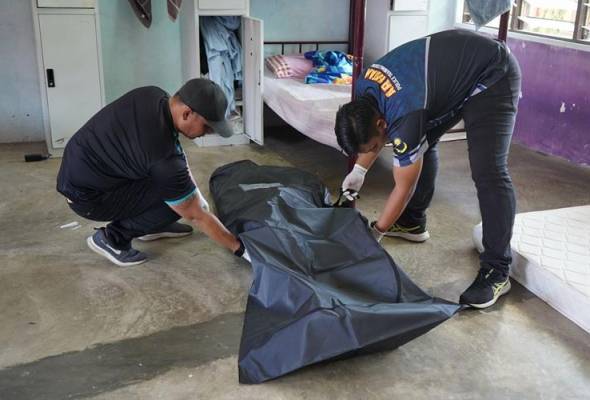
(126, 166)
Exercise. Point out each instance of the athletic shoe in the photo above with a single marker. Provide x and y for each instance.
(123, 258)
(486, 289)
(413, 233)
(173, 230)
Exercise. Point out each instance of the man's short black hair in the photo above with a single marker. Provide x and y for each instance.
(355, 124)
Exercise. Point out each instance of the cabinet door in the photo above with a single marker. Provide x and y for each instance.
(252, 49)
(70, 61)
(405, 28)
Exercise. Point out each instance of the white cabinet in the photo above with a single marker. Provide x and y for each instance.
(405, 28)
(410, 5)
(70, 73)
(204, 5)
(388, 27)
(66, 3)
(251, 36)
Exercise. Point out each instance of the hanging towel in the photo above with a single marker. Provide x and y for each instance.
(224, 53)
(483, 11)
(174, 8)
(332, 67)
(143, 10)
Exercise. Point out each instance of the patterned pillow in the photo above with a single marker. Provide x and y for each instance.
(291, 66)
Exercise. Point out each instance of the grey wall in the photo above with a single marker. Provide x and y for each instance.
(291, 20)
(21, 118)
(302, 19)
(155, 58)
(134, 56)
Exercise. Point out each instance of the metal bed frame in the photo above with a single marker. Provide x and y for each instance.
(356, 29)
(302, 43)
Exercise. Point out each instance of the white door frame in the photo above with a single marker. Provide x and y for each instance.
(40, 65)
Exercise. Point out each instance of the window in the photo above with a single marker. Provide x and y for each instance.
(548, 17)
(585, 24)
(563, 19)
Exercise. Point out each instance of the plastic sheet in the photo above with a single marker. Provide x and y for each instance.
(323, 288)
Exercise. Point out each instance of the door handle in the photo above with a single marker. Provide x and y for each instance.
(50, 78)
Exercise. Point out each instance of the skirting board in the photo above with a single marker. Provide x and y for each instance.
(216, 140)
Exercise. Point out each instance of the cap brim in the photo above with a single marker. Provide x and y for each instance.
(221, 127)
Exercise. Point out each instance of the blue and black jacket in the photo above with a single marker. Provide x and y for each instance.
(424, 84)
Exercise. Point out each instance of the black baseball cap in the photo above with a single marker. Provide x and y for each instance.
(207, 99)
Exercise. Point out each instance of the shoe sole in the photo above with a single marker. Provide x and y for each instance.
(412, 237)
(108, 255)
(490, 303)
(162, 235)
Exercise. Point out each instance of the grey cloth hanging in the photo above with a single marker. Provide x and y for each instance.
(143, 10)
(224, 53)
(483, 11)
(323, 288)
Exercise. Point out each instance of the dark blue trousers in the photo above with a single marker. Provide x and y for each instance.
(489, 121)
(133, 210)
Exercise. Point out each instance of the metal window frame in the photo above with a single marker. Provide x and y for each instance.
(581, 15)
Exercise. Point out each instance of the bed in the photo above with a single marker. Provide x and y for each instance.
(551, 258)
(309, 108)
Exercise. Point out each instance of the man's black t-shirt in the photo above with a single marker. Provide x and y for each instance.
(130, 141)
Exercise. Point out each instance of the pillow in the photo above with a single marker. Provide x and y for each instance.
(292, 66)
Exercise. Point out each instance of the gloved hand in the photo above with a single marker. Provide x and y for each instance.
(202, 201)
(355, 179)
(242, 252)
(346, 199)
(377, 234)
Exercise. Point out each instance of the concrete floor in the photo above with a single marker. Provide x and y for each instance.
(72, 325)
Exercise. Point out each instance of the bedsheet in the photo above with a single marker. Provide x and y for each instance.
(311, 109)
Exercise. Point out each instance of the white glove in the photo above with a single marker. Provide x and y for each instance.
(202, 201)
(242, 252)
(354, 180)
(377, 234)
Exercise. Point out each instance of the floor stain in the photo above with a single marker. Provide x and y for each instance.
(107, 367)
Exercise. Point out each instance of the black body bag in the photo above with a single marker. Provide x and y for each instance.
(323, 287)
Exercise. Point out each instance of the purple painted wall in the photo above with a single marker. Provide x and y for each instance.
(554, 112)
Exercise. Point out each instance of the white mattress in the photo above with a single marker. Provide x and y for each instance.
(311, 109)
(551, 258)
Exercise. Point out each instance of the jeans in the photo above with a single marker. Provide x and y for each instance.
(134, 210)
(489, 121)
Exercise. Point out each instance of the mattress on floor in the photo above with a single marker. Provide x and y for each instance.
(309, 108)
(551, 258)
